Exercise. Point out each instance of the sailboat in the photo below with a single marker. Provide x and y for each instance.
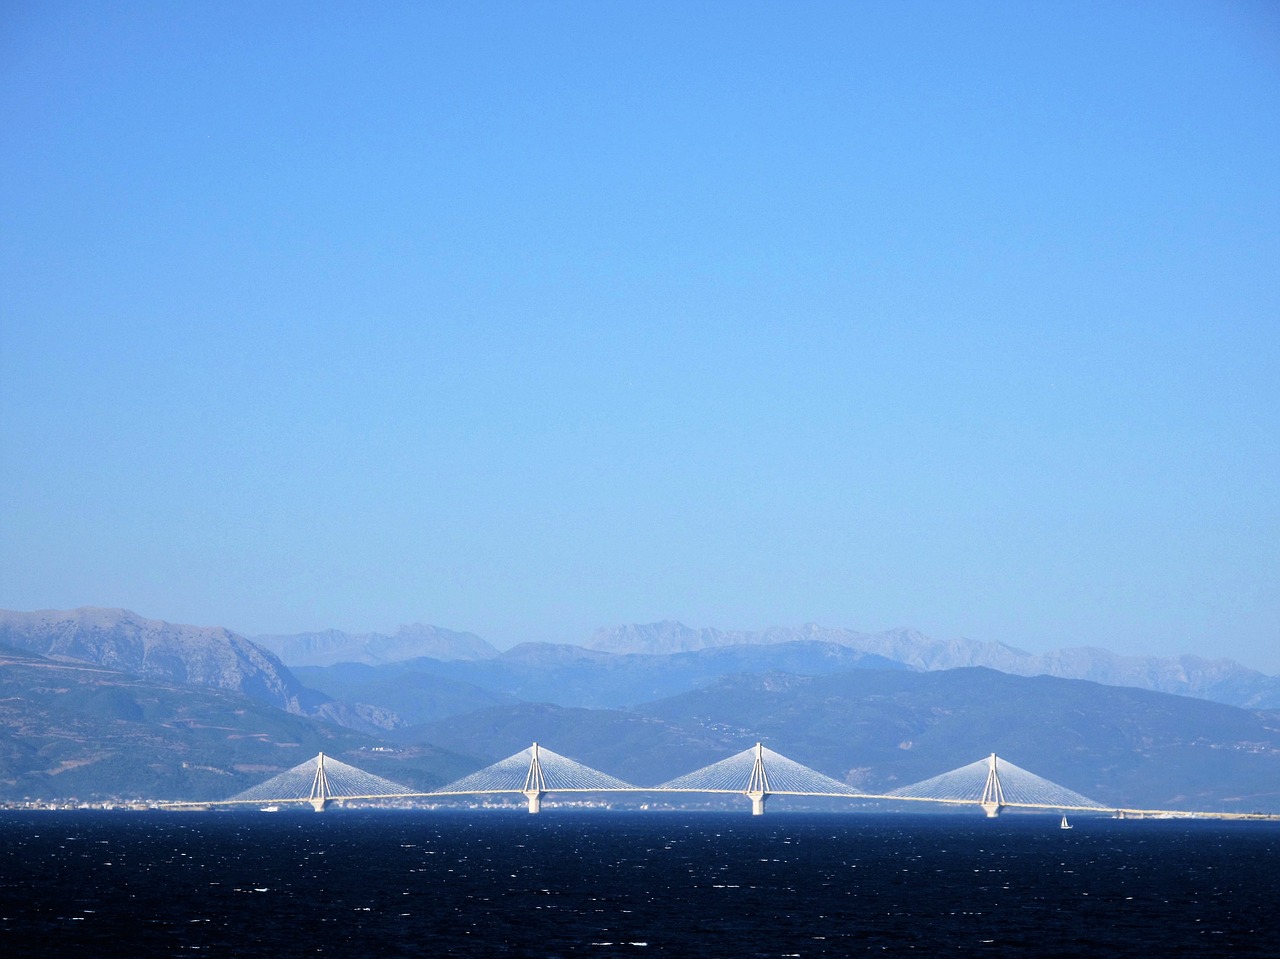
(1065, 824)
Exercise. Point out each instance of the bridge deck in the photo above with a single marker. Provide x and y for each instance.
(756, 773)
(1113, 811)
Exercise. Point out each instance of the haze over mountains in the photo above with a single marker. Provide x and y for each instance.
(1219, 680)
(424, 689)
(93, 700)
(409, 642)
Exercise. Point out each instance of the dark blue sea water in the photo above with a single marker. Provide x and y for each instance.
(603, 884)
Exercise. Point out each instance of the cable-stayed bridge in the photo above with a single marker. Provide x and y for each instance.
(319, 781)
(991, 784)
(533, 773)
(759, 773)
(996, 783)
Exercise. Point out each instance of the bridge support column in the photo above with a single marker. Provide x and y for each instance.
(320, 790)
(758, 785)
(535, 784)
(992, 800)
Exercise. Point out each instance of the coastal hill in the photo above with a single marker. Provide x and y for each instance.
(200, 656)
(71, 730)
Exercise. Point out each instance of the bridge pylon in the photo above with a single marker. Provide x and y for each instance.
(535, 783)
(320, 791)
(992, 800)
(758, 785)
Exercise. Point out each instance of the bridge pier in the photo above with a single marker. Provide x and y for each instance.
(992, 800)
(320, 790)
(758, 785)
(535, 783)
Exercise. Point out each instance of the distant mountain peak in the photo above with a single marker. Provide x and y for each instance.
(667, 636)
(671, 636)
(154, 649)
(410, 641)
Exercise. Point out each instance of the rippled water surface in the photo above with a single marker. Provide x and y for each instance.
(486, 883)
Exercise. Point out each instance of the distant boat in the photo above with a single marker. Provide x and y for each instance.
(277, 809)
(1065, 824)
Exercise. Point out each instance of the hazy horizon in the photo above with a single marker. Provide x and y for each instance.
(580, 640)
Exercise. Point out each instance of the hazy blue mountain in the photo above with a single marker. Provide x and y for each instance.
(1118, 744)
(569, 676)
(639, 748)
(409, 642)
(72, 730)
(169, 652)
(1219, 680)
(153, 649)
(883, 729)
(410, 690)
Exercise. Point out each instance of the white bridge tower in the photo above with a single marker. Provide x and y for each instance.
(320, 791)
(535, 784)
(758, 785)
(992, 800)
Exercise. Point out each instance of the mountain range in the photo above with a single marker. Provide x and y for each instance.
(408, 642)
(424, 689)
(108, 703)
(73, 729)
(880, 729)
(1219, 680)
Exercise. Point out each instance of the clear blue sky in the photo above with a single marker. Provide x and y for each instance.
(527, 318)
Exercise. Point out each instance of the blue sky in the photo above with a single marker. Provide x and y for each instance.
(531, 318)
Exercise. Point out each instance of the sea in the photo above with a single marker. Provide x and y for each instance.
(492, 883)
